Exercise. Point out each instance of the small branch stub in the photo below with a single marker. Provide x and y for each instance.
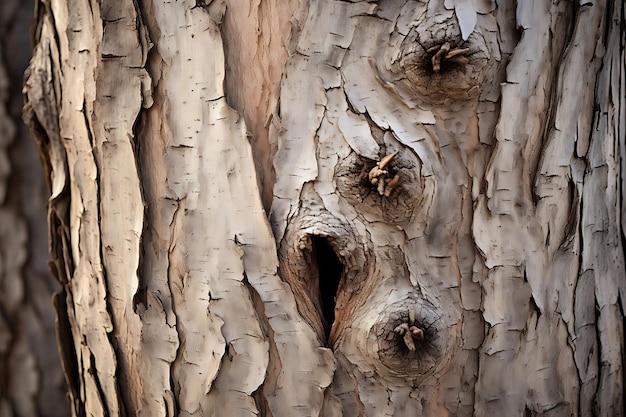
(411, 346)
(379, 176)
(445, 54)
(410, 333)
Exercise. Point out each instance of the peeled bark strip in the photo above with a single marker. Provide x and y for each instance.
(443, 183)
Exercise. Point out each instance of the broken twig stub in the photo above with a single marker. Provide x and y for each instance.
(379, 176)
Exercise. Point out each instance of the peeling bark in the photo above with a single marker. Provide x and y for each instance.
(336, 208)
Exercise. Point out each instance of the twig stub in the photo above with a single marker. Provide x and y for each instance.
(380, 177)
(445, 53)
(410, 335)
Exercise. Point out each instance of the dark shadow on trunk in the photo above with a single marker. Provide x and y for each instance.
(330, 270)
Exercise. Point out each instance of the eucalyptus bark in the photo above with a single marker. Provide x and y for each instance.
(333, 208)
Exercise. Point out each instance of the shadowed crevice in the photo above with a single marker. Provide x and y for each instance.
(330, 271)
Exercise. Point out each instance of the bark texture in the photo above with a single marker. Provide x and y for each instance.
(331, 208)
(31, 378)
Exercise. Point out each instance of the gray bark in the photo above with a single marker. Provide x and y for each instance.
(331, 208)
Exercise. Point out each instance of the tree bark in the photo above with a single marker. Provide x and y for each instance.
(31, 378)
(336, 208)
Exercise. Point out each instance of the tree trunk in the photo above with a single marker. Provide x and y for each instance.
(31, 378)
(331, 208)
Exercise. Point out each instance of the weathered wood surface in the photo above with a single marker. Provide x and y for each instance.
(231, 239)
(31, 378)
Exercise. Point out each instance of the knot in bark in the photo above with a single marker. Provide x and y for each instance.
(390, 189)
(444, 69)
(321, 259)
(406, 340)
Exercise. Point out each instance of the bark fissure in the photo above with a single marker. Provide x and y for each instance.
(67, 353)
(260, 393)
(102, 394)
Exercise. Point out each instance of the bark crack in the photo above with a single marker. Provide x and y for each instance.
(93, 371)
(274, 364)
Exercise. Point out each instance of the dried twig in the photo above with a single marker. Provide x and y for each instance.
(445, 53)
(379, 176)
